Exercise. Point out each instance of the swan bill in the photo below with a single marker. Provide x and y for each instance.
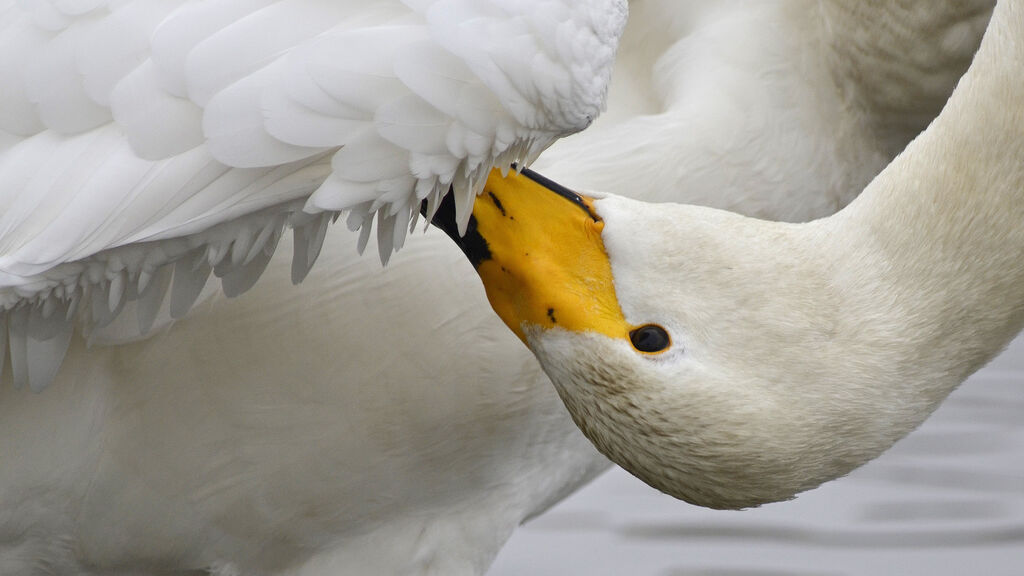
(541, 258)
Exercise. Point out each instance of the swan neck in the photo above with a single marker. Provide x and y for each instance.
(937, 236)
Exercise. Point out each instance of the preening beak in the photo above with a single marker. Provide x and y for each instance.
(537, 247)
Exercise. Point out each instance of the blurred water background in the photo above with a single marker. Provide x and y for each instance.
(948, 500)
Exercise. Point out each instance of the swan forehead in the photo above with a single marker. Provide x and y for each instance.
(719, 281)
(665, 257)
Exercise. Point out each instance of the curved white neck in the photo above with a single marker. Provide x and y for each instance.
(941, 228)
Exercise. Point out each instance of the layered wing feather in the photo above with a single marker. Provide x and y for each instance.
(147, 144)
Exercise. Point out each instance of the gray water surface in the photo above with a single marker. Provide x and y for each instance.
(948, 500)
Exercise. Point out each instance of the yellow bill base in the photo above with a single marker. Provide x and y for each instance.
(547, 265)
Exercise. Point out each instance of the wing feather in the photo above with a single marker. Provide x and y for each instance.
(146, 144)
(157, 123)
(18, 37)
(54, 82)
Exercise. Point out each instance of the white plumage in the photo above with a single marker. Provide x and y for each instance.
(404, 100)
(754, 360)
(369, 421)
(144, 124)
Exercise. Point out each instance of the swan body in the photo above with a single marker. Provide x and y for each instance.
(778, 356)
(336, 457)
(327, 428)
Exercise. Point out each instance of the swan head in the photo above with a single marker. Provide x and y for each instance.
(693, 347)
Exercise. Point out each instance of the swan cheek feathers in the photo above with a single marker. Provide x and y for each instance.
(710, 448)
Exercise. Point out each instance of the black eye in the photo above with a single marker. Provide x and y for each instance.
(650, 338)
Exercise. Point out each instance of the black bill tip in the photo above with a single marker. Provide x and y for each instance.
(472, 244)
